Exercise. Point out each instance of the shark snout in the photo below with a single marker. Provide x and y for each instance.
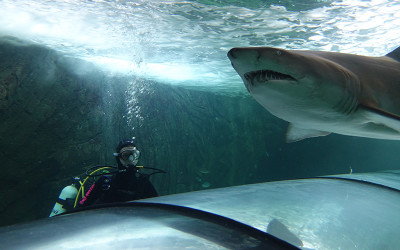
(232, 54)
(243, 59)
(248, 54)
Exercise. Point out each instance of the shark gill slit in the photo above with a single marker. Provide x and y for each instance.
(346, 105)
(354, 91)
(349, 103)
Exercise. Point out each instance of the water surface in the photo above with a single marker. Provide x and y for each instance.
(185, 42)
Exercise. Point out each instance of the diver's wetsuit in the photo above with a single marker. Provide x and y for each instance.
(122, 186)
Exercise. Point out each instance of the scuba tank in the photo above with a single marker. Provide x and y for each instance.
(68, 198)
(65, 200)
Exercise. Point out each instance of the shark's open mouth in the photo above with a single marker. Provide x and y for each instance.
(267, 75)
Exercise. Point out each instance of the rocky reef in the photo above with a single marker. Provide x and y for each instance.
(52, 121)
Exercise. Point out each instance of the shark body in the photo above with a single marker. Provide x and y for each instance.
(320, 93)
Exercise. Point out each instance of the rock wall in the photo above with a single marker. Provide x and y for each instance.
(203, 140)
(60, 116)
(52, 123)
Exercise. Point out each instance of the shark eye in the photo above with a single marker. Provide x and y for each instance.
(278, 52)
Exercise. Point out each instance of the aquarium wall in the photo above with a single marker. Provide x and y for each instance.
(61, 116)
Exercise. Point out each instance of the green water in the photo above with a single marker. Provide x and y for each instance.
(157, 70)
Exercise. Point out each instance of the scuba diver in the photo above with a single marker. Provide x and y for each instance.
(110, 184)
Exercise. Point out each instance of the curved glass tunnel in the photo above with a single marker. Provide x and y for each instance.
(332, 212)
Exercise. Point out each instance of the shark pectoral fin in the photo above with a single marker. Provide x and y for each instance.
(387, 121)
(294, 133)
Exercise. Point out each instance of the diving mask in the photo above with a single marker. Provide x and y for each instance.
(128, 156)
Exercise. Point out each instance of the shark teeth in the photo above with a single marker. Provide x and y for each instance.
(267, 75)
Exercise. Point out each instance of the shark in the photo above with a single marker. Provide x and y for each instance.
(320, 92)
